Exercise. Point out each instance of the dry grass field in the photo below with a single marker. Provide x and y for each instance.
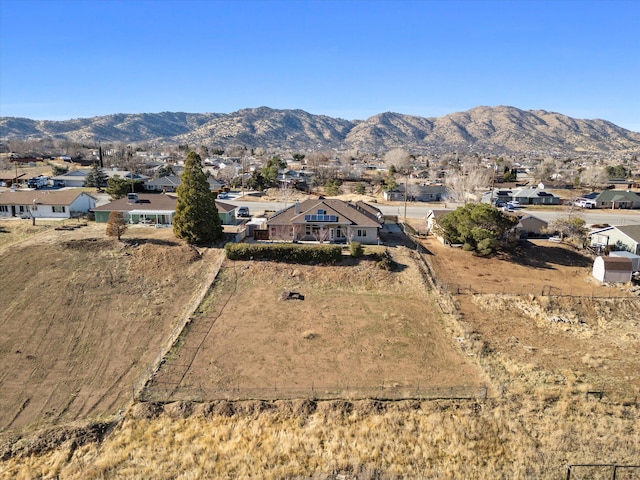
(541, 355)
(357, 326)
(83, 315)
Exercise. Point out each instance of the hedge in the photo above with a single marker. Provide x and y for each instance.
(284, 252)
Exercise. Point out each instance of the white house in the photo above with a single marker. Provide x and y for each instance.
(624, 237)
(45, 204)
(612, 269)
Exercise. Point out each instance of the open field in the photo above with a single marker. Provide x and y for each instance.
(82, 316)
(358, 326)
(541, 355)
(537, 337)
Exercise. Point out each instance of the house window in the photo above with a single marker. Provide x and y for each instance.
(362, 233)
(307, 230)
(322, 212)
(58, 209)
(34, 208)
(4, 208)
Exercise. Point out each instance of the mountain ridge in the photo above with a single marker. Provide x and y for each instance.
(486, 129)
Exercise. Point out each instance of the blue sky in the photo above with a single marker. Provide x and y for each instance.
(62, 59)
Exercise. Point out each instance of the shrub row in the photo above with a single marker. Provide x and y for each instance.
(284, 252)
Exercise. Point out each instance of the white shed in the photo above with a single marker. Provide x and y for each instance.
(612, 269)
(635, 259)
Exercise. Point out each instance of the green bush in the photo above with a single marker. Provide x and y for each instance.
(356, 249)
(290, 253)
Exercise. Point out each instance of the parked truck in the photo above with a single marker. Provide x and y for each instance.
(38, 182)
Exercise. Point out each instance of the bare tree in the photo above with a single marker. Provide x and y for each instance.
(321, 234)
(594, 177)
(280, 232)
(462, 184)
(400, 159)
(116, 224)
(316, 161)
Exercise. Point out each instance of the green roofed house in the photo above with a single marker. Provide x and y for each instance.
(617, 199)
(140, 208)
(154, 208)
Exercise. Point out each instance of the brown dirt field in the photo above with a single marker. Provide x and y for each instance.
(82, 317)
(537, 340)
(358, 326)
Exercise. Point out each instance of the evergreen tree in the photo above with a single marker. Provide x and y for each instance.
(96, 177)
(196, 219)
(477, 226)
(118, 187)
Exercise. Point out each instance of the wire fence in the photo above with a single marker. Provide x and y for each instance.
(524, 290)
(139, 387)
(166, 393)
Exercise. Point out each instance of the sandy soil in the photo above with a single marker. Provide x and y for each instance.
(535, 337)
(358, 326)
(83, 315)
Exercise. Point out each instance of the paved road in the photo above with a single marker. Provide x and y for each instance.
(420, 210)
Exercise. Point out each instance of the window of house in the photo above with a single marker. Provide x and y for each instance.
(58, 209)
(307, 230)
(362, 233)
(4, 208)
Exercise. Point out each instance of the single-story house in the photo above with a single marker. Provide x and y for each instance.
(154, 208)
(612, 269)
(226, 212)
(326, 220)
(432, 222)
(625, 237)
(74, 178)
(615, 199)
(77, 178)
(9, 178)
(45, 204)
(635, 259)
(417, 193)
(528, 225)
(170, 183)
(140, 208)
(526, 196)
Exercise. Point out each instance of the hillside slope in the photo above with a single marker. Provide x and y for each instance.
(481, 129)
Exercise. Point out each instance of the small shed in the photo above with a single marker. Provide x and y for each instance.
(635, 259)
(612, 269)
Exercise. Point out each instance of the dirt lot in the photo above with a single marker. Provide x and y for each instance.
(82, 316)
(358, 326)
(537, 338)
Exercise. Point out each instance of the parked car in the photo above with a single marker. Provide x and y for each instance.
(223, 195)
(243, 212)
(514, 203)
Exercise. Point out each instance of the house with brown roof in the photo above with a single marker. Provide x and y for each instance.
(326, 220)
(154, 208)
(45, 204)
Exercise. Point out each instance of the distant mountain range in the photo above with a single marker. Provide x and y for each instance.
(482, 129)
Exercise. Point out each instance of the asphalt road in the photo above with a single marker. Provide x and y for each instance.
(420, 210)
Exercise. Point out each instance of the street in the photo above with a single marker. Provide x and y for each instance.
(420, 210)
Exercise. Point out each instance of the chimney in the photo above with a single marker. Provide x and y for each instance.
(297, 207)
